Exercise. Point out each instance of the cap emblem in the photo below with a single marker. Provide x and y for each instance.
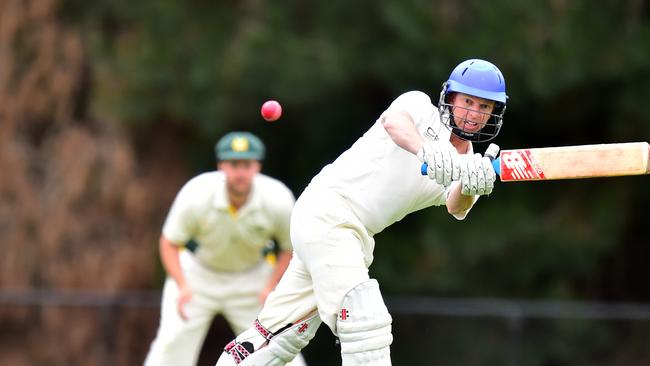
(239, 144)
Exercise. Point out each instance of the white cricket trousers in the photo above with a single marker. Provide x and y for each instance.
(332, 253)
(235, 295)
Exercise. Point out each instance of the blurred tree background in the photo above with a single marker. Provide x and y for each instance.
(108, 106)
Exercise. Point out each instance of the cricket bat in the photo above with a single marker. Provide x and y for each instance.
(572, 162)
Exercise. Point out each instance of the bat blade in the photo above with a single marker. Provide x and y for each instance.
(573, 162)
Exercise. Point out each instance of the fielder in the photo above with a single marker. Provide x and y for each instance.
(211, 247)
(373, 184)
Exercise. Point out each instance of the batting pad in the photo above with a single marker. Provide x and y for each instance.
(364, 327)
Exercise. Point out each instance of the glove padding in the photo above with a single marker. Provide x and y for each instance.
(443, 164)
(477, 175)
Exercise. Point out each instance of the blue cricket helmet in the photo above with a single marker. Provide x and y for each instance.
(481, 79)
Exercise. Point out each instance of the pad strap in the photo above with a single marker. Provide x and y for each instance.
(263, 331)
(237, 351)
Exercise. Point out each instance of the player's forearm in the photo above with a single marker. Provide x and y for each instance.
(401, 129)
(169, 256)
(281, 264)
(458, 203)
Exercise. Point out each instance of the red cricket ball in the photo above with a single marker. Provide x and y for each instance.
(271, 110)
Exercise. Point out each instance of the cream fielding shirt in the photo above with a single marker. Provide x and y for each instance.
(380, 180)
(227, 241)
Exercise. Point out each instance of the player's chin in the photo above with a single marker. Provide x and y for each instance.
(242, 187)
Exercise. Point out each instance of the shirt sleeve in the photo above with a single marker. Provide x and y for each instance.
(416, 103)
(283, 205)
(181, 220)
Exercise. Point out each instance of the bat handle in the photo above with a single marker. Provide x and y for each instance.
(496, 164)
(423, 168)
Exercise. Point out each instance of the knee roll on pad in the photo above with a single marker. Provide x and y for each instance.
(364, 326)
(259, 347)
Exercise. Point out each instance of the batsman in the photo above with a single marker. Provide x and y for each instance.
(372, 185)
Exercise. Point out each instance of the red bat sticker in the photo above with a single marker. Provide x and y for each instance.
(520, 165)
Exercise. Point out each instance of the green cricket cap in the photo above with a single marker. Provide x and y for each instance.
(239, 146)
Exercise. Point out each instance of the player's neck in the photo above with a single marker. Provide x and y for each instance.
(462, 146)
(237, 199)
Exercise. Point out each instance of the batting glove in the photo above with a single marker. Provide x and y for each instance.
(477, 175)
(443, 163)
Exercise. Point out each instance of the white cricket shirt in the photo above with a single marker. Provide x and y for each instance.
(380, 180)
(230, 242)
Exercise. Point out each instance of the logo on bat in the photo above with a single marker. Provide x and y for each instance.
(520, 165)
